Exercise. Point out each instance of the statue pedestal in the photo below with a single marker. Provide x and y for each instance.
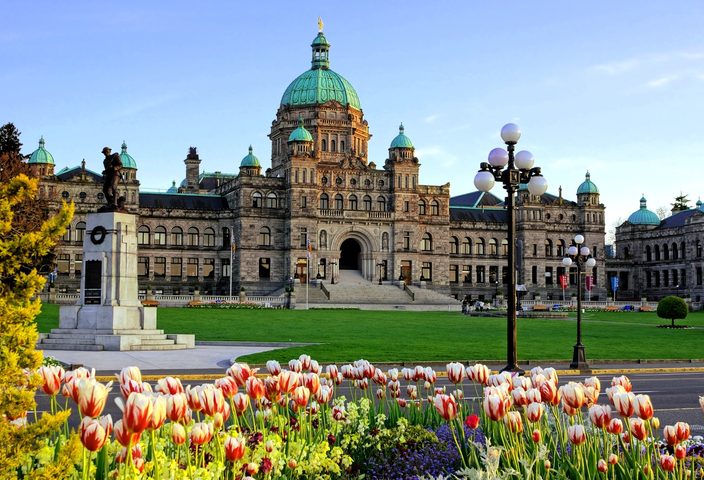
(109, 315)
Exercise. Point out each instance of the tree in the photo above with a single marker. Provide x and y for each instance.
(10, 139)
(672, 307)
(681, 203)
(19, 305)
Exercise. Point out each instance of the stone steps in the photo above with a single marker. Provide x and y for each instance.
(173, 346)
(76, 347)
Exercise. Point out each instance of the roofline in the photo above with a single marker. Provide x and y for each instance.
(209, 195)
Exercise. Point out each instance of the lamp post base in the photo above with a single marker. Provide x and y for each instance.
(579, 360)
(513, 369)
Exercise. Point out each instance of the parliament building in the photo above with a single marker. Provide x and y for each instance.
(322, 207)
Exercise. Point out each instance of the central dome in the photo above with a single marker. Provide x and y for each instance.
(320, 84)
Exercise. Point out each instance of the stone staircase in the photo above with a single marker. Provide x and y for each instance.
(93, 340)
(430, 297)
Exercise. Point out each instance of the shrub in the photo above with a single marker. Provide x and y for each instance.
(672, 307)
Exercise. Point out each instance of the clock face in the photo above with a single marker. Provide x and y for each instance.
(97, 235)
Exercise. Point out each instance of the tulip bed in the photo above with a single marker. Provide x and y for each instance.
(289, 423)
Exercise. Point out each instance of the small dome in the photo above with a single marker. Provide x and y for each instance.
(300, 134)
(173, 188)
(643, 216)
(401, 140)
(126, 158)
(700, 205)
(587, 186)
(250, 160)
(41, 155)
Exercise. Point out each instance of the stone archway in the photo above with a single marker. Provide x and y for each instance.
(350, 250)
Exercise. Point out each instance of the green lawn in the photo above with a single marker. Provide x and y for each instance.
(346, 335)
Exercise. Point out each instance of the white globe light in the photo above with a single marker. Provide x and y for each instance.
(524, 160)
(591, 262)
(584, 251)
(572, 250)
(579, 239)
(484, 181)
(537, 185)
(567, 261)
(498, 157)
(510, 133)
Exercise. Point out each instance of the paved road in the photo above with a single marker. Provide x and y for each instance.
(675, 396)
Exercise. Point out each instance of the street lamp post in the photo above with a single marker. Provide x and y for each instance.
(518, 169)
(332, 274)
(579, 256)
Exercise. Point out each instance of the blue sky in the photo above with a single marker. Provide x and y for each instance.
(612, 87)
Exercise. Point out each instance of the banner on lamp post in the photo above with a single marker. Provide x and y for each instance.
(614, 285)
(563, 284)
(589, 283)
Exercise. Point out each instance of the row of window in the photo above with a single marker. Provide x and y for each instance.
(675, 278)
(667, 252)
(479, 247)
(551, 275)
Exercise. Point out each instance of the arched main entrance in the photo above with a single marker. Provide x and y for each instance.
(349, 254)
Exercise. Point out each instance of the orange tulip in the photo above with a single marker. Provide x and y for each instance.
(576, 434)
(92, 396)
(94, 432)
(178, 433)
(234, 448)
(288, 381)
(312, 382)
(51, 378)
(446, 406)
(123, 436)
(682, 430)
(137, 412)
(639, 429)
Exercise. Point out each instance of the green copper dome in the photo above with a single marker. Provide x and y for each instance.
(401, 140)
(643, 216)
(587, 186)
(126, 158)
(173, 188)
(300, 134)
(700, 205)
(41, 155)
(320, 84)
(250, 160)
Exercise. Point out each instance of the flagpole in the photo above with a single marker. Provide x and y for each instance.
(307, 275)
(231, 260)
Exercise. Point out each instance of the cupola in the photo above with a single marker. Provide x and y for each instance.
(250, 165)
(401, 146)
(41, 162)
(643, 216)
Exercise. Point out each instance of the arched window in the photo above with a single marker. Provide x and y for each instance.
(177, 236)
(548, 248)
(434, 208)
(479, 248)
(674, 251)
(160, 235)
(209, 237)
(665, 252)
(493, 247)
(353, 202)
(80, 231)
(682, 250)
(648, 253)
(342, 146)
(193, 234)
(504, 247)
(381, 203)
(421, 207)
(454, 245)
(324, 201)
(257, 200)
(264, 237)
(338, 202)
(367, 202)
(657, 252)
(698, 249)
(226, 239)
(561, 248)
(271, 200)
(466, 246)
(385, 242)
(426, 244)
(143, 235)
(626, 253)
(323, 242)
(332, 146)
(324, 145)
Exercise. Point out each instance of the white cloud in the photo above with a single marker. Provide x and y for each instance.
(431, 118)
(617, 68)
(437, 156)
(662, 81)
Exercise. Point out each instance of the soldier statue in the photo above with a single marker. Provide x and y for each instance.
(112, 165)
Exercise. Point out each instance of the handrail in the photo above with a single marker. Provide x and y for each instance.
(409, 292)
(325, 290)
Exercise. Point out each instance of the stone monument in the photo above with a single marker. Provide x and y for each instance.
(109, 315)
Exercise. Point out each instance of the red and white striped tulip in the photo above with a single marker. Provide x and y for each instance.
(338, 413)
(494, 406)
(255, 388)
(324, 395)
(288, 381)
(680, 452)
(478, 373)
(130, 386)
(573, 395)
(137, 412)
(300, 397)
(193, 398)
(158, 412)
(446, 406)
(550, 393)
(379, 377)
(240, 372)
(95, 432)
(429, 375)
(682, 430)
(332, 371)
(613, 459)
(520, 381)
(600, 415)
(615, 426)
(312, 382)
(227, 385)
(201, 433)
(519, 396)
(234, 448)
(513, 421)
(241, 402)
(52, 376)
(273, 367)
(315, 367)
(602, 466)
(305, 361)
(639, 429)
(295, 365)
(624, 403)
(669, 434)
(533, 395)
(623, 381)
(176, 407)
(536, 436)
(534, 412)
(123, 436)
(667, 463)
(129, 373)
(169, 385)
(92, 396)
(551, 374)
(576, 434)
(644, 407)
(455, 372)
(178, 433)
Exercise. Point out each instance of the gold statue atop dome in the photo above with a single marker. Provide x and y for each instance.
(320, 24)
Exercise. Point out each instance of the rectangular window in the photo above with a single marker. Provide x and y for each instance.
(177, 267)
(467, 273)
(407, 240)
(427, 271)
(656, 279)
(225, 267)
(160, 236)
(504, 275)
(666, 278)
(454, 273)
(303, 237)
(209, 268)
(209, 238)
(493, 274)
(548, 276)
(143, 236)
(535, 249)
(683, 277)
(264, 268)
(63, 262)
(648, 279)
(699, 275)
(192, 268)
(481, 274)
(143, 266)
(534, 274)
(160, 266)
(304, 202)
(78, 264)
(177, 237)
(406, 206)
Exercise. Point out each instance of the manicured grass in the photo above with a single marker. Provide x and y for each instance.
(346, 335)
